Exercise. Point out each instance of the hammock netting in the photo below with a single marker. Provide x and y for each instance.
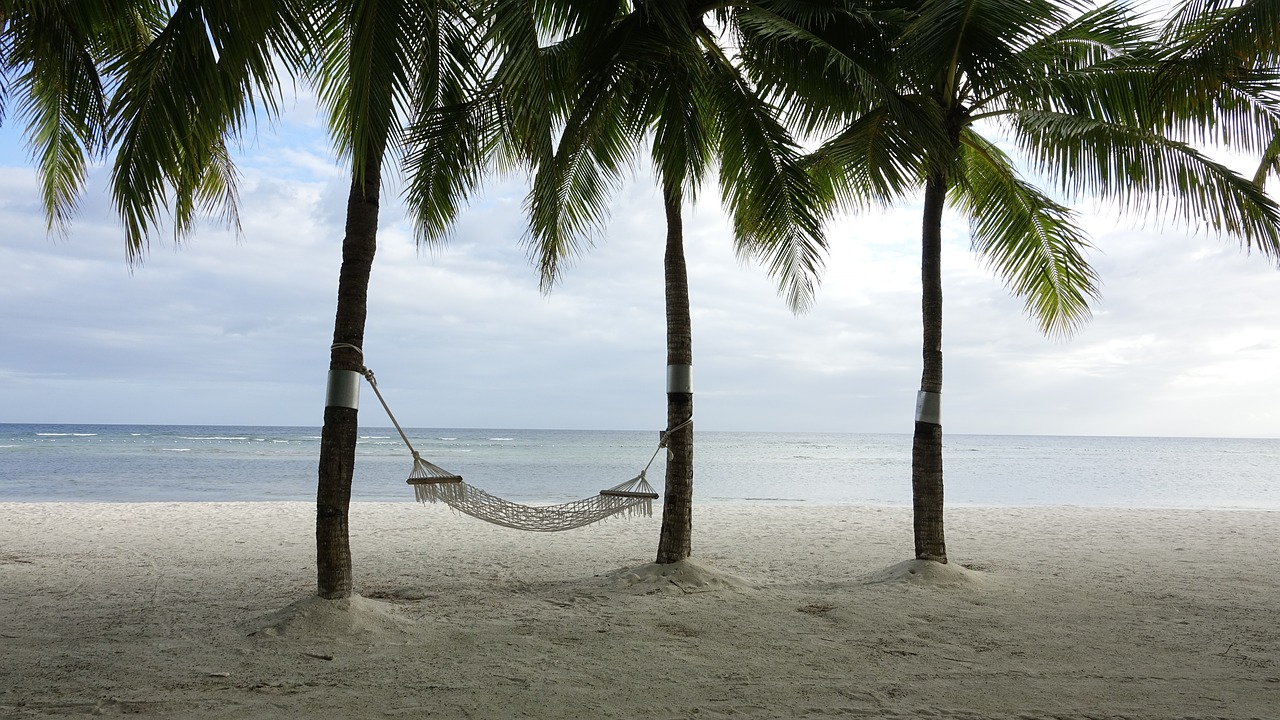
(433, 484)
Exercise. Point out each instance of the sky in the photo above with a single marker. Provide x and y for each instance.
(227, 330)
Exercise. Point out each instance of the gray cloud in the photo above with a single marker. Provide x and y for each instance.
(1185, 341)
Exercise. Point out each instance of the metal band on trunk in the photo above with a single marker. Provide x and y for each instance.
(343, 390)
(680, 378)
(929, 407)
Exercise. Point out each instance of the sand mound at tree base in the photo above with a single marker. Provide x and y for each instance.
(688, 576)
(355, 618)
(927, 572)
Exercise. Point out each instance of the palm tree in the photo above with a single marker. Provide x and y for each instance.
(378, 66)
(384, 66)
(656, 72)
(910, 90)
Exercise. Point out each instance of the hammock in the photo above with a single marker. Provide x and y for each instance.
(433, 484)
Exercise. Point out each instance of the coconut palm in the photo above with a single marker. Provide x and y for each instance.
(657, 73)
(188, 78)
(911, 91)
(383, 66)
(378, 67)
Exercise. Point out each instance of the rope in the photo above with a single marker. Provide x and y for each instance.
(373, 383)
(662, 442)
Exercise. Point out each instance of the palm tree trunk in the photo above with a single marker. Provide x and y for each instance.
(338, 437)
(926, 447)
(675, 541)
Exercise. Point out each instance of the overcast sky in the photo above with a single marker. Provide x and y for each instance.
(1185, 340)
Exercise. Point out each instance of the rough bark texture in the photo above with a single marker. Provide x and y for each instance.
(338, 436)
(926, 448)
(675, 542)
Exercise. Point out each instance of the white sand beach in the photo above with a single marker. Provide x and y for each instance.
(202, 611)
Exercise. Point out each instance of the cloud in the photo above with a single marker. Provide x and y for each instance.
(1185, 341)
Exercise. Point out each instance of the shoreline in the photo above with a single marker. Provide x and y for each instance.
(757, 503)
(172, 465)
(177, 610)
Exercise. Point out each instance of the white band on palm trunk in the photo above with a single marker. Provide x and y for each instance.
(343, 390)
(680, 378)
(929, 407)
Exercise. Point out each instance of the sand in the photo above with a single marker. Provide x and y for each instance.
(205, 611)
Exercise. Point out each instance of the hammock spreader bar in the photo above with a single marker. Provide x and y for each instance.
(433, 484)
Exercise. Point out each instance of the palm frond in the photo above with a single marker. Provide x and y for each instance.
(364, 77)
(820, 62)
(1238, 108)
(455, 122)
(570, 194)
(527, 70)
(956, 44)
(778, 210)
(1094, 37)
(875, 159)
(674, 105)
(1223, 32)
(1220, 72)
(1150, 174)
(48, 59)
(1091, 64)
(1270, 163)
(684, 137)
(208, 71)
(1027, 239)
(449, 153)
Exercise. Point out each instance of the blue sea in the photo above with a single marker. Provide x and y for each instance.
(144, 463)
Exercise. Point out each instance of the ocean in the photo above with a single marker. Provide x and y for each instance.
(193, 463)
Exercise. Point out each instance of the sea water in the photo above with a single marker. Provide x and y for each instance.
(143, 463)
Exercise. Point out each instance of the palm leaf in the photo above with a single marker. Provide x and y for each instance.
(1224, 62)
(821, 64)
(1150, 174)
(1026, 238)
(364, 73)
(875, 159)
(778, 210)
(56, 57)
(205, 75)
(960, 43)
(569, 199)
(1225, 31)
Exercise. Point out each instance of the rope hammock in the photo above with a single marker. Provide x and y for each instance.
(433, 484)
